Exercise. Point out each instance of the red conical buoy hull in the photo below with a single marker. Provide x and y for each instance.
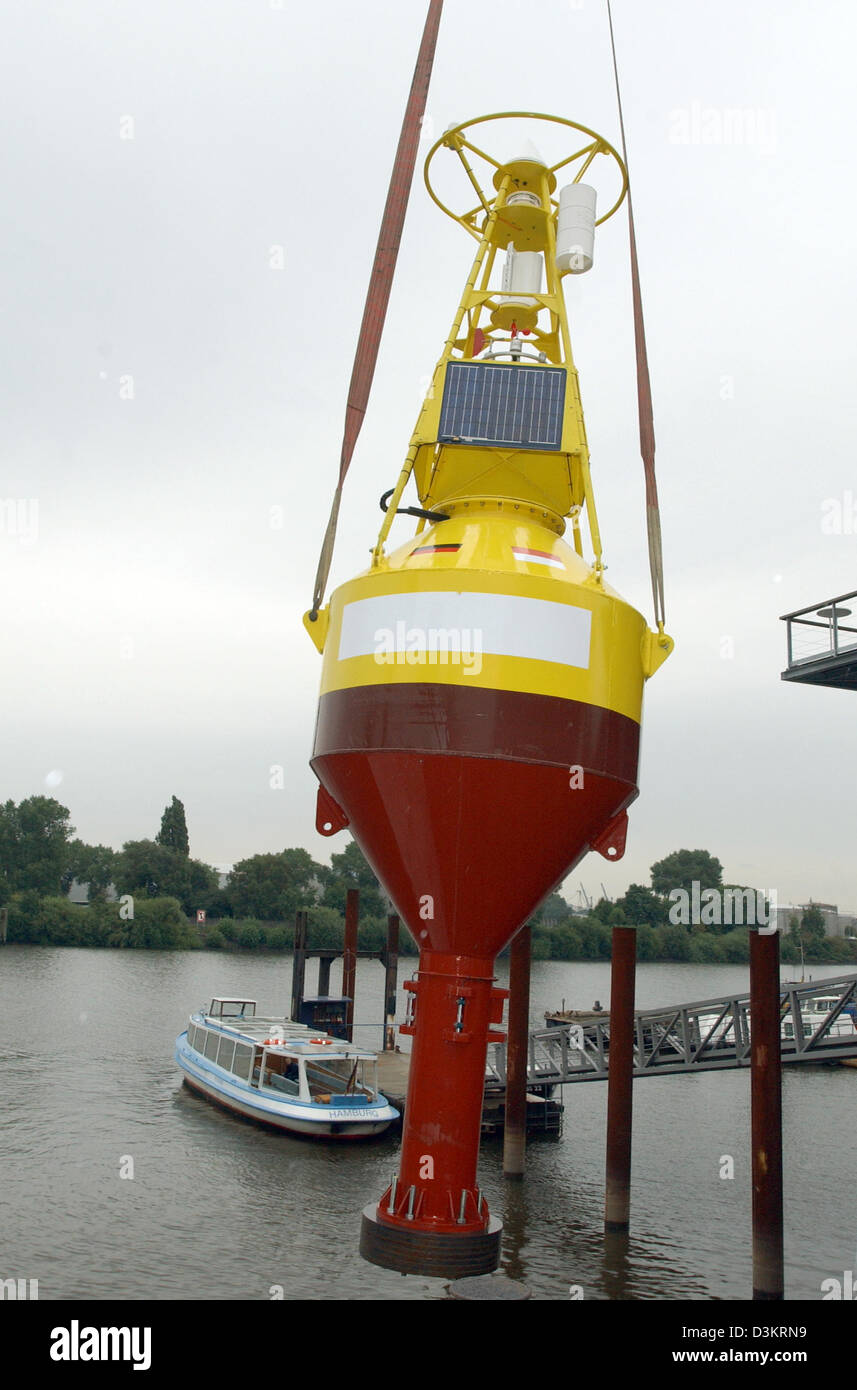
(470, 805)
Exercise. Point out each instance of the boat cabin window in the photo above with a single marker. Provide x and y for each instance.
(340, 1076)
(226, 1052)
(243, 1061)
(232, 1008)
(282, 1074)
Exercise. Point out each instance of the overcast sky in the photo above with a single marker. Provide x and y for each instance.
(168, 393)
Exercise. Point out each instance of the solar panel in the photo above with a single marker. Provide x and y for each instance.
(502, 403)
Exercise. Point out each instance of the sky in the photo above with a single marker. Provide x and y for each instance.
(192, 193)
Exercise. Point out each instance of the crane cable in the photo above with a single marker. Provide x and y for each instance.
(644, 386)
(380, 283)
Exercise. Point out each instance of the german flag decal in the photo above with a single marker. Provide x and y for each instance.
(537, 557)
(436, 549)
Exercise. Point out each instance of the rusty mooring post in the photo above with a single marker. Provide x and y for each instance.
(391, 971)
(620, 1079)
(349, 957)
(766, 1115)
(517, 1049)
(299, 962)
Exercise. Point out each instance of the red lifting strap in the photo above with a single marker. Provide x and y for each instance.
(644, 385)
(380, 283)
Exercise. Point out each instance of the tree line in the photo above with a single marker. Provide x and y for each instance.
(148, 893)
(159, 888)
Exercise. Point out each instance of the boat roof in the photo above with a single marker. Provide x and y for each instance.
(298, 1039)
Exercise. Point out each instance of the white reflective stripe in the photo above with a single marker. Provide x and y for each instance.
(533, 559)
(444, 621)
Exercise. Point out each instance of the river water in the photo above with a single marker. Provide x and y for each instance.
(221, 1209)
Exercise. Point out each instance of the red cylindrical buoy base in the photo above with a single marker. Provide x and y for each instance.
(433, 1219)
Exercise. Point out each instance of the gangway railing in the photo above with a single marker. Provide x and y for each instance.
(817, 1024)
(822, 643)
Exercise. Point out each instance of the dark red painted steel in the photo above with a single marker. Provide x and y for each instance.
(391, 966)
(517, 1050)
(349, 956)
(435, 718)
(766, 1115)
(620, 1079)
(463, 803)
(455, 1004)
(476, 842)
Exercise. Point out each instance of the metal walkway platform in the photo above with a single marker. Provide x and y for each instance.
(822, 649)
(817, 1026)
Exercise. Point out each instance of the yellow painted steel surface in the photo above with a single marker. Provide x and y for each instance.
(486, 563)
(501, 496)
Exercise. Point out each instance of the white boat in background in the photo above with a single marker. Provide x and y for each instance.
(281, 1073)
(813, 1013)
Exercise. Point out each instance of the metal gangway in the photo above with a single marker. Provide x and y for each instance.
(818, 1024)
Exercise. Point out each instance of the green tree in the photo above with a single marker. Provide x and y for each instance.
(674, 942)
(812, 925)
(173, 832)
(648, 943)
(565, 943)
(350, 870)
(7, 849)
(272, 887)
(160, 925)
(94, 865)
(34, 844)
(683, 868)
(736, 946)
(203, 885)
(553, 909)
(643, 907)
(148, 869)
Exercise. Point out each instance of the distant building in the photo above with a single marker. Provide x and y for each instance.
(836, 923)
(79, 893)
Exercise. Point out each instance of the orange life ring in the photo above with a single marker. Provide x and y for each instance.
(322, 1042)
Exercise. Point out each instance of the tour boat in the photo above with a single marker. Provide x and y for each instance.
(281, 1073)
